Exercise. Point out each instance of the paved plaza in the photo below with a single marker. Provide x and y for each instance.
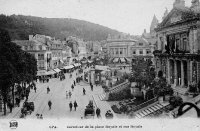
(60, 104)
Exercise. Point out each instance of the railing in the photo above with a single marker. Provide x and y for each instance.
(145, 104)
(119, 86)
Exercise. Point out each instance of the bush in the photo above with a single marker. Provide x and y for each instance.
(192, 88)
(124, 94)
(175, 101)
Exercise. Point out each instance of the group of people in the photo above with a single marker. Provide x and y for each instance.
(39, 116)
(68, 94)
(71, 105)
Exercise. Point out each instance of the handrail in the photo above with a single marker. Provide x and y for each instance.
(116, 87)
(145, 104)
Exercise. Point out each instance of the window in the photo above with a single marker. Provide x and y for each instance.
(178, 44)
(148, 51)
(185, 44)
(41, 65)
(121, 51)
(140, 44)
(134, 52)
(40, 56)
(141, 51)
(117, 51)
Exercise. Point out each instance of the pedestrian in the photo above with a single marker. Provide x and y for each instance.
(49, 104)
(74, 83)
(35, 88)
(72, 87)
(48, 89)
(10, 105)
(17, 101)
(70, 94)
(91, 87)
(83, 91)
(75, 105)
(98, 112)
(70, 106)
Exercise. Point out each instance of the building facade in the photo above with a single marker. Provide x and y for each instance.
(128, 48)
(178, 54)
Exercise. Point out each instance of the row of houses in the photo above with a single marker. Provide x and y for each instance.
(50, 53)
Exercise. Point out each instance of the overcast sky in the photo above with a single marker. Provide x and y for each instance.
(129, 16)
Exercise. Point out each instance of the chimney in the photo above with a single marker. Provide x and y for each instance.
(179, 4)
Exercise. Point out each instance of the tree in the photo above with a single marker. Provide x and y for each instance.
(16, 66)
(142, 72)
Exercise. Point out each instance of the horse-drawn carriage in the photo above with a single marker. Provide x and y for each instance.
(89, 111)
(28, 108)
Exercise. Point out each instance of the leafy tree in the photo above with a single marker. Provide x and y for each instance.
(16, 66)
(142, 72)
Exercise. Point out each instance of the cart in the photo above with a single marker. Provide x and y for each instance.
(89, 111)
(28, 108)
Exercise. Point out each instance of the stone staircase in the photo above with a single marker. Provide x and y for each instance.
(119, 87)
(104, 96)
(151, 110)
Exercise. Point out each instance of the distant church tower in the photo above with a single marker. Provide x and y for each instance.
(154, 24)
(165, 14)
(179, 3)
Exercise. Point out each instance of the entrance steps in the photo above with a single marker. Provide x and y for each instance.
(151, 110)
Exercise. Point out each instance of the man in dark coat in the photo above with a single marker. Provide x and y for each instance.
(83, 91)
(35, 88)
(98, 112)
(91, 87)
(74, 83)
(49, 104)
(75, 105)
(72, 87)
(17, 101)
(70, 106)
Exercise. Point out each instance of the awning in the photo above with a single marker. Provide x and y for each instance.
(68, 67)
(61, 61)
(57, 70)
(41, 73)
(128, 60)
(122, 60)
(77, 64)
(51, 72)
(89, 61)
(103, 68)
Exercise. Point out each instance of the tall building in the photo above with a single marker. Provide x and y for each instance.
(178, 54)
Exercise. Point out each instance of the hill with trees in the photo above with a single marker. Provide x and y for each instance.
(19, 27)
